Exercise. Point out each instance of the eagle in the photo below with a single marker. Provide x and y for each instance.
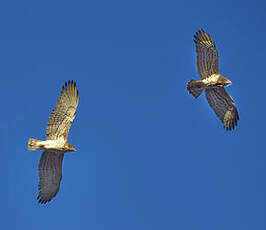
(55, 145)
(212, 82)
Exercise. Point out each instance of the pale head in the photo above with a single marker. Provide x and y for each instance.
(224, 81)
(69, 148)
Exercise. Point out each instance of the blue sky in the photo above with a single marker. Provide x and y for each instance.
(150, 156)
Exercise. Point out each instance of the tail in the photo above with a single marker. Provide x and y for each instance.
(195, 87)
(33, 144)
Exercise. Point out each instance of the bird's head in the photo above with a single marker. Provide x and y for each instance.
(69, 148)
(224, 81)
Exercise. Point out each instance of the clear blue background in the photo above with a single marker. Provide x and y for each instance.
(150, 156)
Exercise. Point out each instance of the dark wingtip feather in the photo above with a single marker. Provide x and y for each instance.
(231, 125)
(201, 35)
(41, 200)
(69, 84)
(198, 35)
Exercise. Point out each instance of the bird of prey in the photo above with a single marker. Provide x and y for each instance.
(212, 82)
(55, 145)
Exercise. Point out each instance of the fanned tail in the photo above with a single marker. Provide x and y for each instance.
(195, 87)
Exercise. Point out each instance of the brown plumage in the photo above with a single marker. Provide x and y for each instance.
(50, 165)
(212, 82)
(64, 113)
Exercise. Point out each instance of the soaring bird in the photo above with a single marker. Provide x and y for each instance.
(55, 145)
(212, 82)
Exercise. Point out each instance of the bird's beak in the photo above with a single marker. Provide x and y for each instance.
(228, 82)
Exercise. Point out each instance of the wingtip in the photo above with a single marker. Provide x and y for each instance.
(231, 125)
(69, 84)
(41, 200)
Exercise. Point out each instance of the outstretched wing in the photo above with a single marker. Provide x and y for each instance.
(223, 105)
(64, 113)
(207, 55)
(50, 174)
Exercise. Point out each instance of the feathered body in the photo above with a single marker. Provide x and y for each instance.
(55, 145)
(212, 82)
(60, 145)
